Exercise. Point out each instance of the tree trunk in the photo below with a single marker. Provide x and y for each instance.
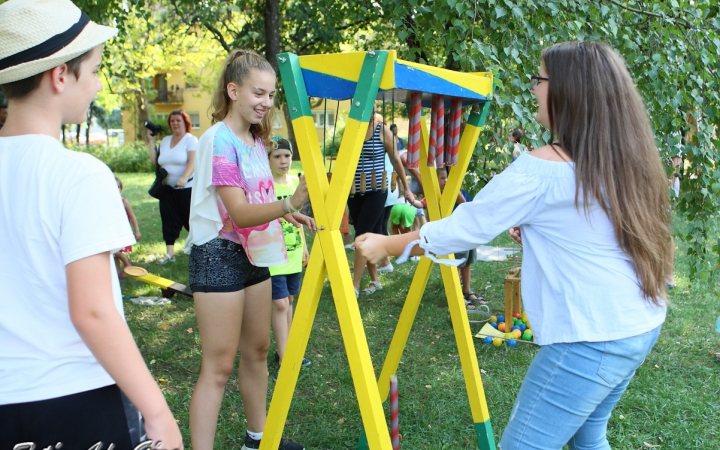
(272, 49)
(77, 133)
(272, 32)
(63, 133)
(143, 114)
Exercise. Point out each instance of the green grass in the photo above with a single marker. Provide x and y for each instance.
(673, 401)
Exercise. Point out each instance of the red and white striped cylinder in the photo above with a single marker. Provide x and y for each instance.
(413, 154)
(394, 419)
(440, 130)
(433, 133)
(454, 137)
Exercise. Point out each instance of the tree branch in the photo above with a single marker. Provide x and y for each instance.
(313, 41)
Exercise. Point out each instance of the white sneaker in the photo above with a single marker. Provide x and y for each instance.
(415, 258)
(349, 247)
(387, 269)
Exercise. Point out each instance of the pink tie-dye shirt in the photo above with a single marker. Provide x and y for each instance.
(237, 164)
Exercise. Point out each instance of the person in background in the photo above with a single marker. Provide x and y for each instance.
(368, 209)
(120, 255)
(176, 155)
(518, 148)
(285, 278)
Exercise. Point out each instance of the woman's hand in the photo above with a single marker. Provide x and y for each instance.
(301, 194)
(164, 432)
(182, 182)
(409, 196)
(372, 246)
(514, 233)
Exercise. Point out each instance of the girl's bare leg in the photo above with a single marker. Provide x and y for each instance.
(219, 316)
(280, 324)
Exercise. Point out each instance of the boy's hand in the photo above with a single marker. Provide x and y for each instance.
(138, 236)
(371, 246)
(514, 233)
(306, 257)
(164, 432)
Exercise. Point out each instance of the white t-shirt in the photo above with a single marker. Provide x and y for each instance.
(393, 197)
(56, 206)
(175, 159)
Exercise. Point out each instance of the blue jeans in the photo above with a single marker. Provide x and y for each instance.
(570, 391)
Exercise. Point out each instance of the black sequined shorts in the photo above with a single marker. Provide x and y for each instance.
(221, 265)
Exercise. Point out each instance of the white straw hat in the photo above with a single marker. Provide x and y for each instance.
(37, 35)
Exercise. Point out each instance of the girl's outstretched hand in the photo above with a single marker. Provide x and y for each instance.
(371, 246)
(302, 219)
(514, 233)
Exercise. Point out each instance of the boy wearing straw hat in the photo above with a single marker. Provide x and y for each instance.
(66, 354)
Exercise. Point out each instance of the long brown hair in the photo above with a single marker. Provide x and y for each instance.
(601, 122)
(236, 70)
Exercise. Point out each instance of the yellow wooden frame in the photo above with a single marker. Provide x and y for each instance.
(328, 258)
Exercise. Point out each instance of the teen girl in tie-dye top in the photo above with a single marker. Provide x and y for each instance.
(234, 237)
(235, 163)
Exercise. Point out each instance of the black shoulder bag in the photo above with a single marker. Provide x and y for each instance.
(158, 189)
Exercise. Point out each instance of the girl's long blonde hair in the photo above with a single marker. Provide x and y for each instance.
(601, 122)
(236, 70)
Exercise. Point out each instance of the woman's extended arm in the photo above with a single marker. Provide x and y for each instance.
(391, 149)
(376, 247)
(152, 149)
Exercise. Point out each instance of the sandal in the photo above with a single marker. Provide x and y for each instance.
(372, 288)
(471, 302)
(165, 259)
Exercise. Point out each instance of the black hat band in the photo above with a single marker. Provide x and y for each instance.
(48, 47)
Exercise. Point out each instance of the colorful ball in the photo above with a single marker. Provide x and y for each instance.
(523, 327)
(516, 315)
(488, 340)
(497, 342)
(493, 319)
(509, 335)
(516, 334)
(516, 327)
(494, 324)
(527, 336)
(501, 326)
(512, 343)
(501, 319)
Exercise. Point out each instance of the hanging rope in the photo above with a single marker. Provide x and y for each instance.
(433, 132)
(440, 133)
(413, 155)
(454, 133)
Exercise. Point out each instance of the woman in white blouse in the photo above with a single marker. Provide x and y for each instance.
(592, 212)
(177, 156)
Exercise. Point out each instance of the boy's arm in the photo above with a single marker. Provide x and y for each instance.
(132, 218)
(460, 198)
(102, 328)
(306, 255)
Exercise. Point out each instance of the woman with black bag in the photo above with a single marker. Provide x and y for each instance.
(176, 155)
